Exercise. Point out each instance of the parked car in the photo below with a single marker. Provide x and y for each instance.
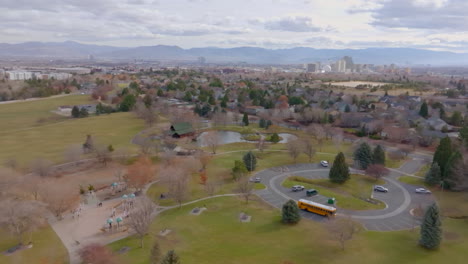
(297, 188)
(311, 192)
(256, 179)
(324, 163)
(379, 188)
(423, 191)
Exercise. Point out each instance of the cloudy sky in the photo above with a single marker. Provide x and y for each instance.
(429, 24)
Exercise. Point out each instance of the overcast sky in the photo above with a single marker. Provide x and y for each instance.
(429, 24)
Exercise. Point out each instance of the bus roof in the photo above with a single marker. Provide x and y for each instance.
(331, 208)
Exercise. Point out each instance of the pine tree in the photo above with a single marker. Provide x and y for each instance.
(347, 109)
(239, 170)
(290, 213)
(442, 154)
(433, 176)
(275, 138)
(75, 112)
(245, 119)
(268, 124)
(431, 230)
(262, 123)
(83, 112)
(363, 155)
(250, 161)
(464, 134)
(424, 111)
(171, 258)
(339, 172)
(449, 173)
(155, 256)
(378, 157)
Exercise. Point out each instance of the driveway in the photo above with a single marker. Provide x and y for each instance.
(400, 199)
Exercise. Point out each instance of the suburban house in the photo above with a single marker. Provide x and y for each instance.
(182, 129)
(253, 110)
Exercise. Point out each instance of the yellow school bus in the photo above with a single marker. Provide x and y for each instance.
(317, 208)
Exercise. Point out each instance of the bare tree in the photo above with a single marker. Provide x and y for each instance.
(294, 148)
(337, 139)
(212, 140)
(210, 187)
(342, 229)
(32, 184)
(102, 154)
(318, 132)
(148, 114)
(177, 180)
(245, 188)
(21, 217)
(97, 254)
(11, 163)
(204, 159)
(141, 216)
(58, 199)
(377, 171)
(73, 153)
(308, 148)
(140, 173)
(41, 167)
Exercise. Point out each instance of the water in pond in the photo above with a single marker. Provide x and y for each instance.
(227, 137)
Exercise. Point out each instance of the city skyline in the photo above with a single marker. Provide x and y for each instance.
(431, 24)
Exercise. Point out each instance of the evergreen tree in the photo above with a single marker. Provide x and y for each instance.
(239, 170)
(442, 114)
(155, 256)
(424, 111)
(433, 176)
(250, 161)
(456, 119)
(442, 154)
(290, 213)
(211, 100)
(347, 109)
(464, 134)
(171, 258)
(275, 138)
(127, 103)
(431, 230)
(110, 148)
(245, 119)
(339, 172)
(449, 175)
(363, 156)
(75, 112)
(378, 157)
(160, 92)
(268, 124)
(262, 123)
(83, 112)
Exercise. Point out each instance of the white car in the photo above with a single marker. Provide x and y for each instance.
(297, 188)
(422, 190)
(256, 180)
(379, 188)
(324, 163)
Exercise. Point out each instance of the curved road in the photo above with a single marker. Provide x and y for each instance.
(400, 199)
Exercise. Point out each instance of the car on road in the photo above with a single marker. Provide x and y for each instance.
(256, 179)
(324, 163)
(297, 188)
(379, 188)
(423, 191)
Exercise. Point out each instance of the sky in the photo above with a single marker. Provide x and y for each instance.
(426, 24)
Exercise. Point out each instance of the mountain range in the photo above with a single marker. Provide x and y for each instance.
(75, 50)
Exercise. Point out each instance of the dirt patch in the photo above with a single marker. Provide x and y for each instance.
(451, 236)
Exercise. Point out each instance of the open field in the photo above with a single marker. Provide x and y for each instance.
(353, 84)
(50, 142)
(347, 195)
(217, 235)
(47, 248)
(24, 115)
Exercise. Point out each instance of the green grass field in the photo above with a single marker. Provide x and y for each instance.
(217, 236)
(47, 248)
(50, 142)
(349, 195)
(23, 115)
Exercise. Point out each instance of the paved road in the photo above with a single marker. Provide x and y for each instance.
(399, 200)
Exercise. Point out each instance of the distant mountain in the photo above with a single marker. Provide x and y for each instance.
(70, 49)
(67, 49)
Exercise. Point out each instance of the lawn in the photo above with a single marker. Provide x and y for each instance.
(219, 169)
(422, 172)
(412, 180)
(50, 142)
(23, 115)
(217, 236)
(348, 196)
(47, 248)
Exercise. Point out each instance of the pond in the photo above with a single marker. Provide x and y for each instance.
(227, 137)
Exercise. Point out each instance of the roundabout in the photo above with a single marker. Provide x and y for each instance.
(399, 200)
